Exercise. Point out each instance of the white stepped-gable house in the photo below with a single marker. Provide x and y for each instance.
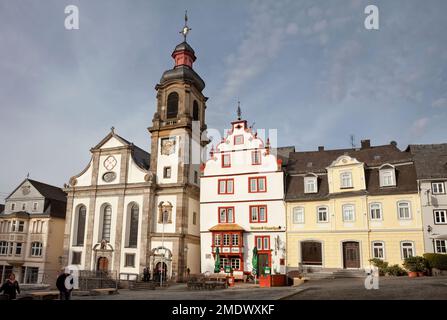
(241, 204)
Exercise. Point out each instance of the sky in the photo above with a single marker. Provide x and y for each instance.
(308, 68)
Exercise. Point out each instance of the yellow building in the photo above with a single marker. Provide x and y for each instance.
(345, 207)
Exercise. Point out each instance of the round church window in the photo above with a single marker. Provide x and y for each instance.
(109, 176)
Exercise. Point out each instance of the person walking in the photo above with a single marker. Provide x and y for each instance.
(11, 287)
(64, 292)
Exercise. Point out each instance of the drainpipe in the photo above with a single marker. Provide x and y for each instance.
(368, 227)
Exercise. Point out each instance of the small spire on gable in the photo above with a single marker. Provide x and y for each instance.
(239, 112)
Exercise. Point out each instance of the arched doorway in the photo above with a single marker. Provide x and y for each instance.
(160, 270)
(103, 264)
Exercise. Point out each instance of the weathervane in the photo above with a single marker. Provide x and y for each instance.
(185, 29)
(239, 112)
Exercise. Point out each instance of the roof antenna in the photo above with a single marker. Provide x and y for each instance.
(352, 140)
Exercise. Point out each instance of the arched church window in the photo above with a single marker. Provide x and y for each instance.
(106, 223)
(80, 229)
(172, 105)
(133, 226)
(195, 111)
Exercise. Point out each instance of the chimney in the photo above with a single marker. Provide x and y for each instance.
(320, 148)
(366, 144)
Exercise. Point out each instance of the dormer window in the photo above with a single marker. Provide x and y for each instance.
(346, 179)
(387, 176)
(310, 184)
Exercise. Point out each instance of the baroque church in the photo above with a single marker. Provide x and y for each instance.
(129, 209)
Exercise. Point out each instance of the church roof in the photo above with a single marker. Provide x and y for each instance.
(184, 46)
(141, 157)
(183, 73)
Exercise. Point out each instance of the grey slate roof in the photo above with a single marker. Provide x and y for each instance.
(184, 46)
(141, 157)
(430, 160)
(317, 161)
(183, 73)
(55, 204)
(49, 191)
(283, 153)
(301, 163)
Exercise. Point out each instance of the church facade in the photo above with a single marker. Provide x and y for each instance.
(130, 209)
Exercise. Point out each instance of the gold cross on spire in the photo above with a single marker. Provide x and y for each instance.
(185, 29)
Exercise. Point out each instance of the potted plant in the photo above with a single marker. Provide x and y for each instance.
(415, 266)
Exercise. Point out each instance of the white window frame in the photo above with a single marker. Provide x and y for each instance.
(35, 206)
(217, 239)
(20, 223)
(19, 245)
(235, 263)
(295, 212)
(318, 214)
(3, 248)
(226, 240)
(310, 185)
(344, 207)
(438, 184)
(399, 203)
(348, 174)
(403, 248)
(380, 211)
(36, 249)
(442, 216)
(392, 176)
(13, 206)
(380, 245)
(444, 246)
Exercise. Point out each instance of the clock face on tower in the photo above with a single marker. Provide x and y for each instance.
(168, 146)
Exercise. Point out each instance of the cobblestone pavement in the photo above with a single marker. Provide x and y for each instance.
(180, 292)
(390, 288)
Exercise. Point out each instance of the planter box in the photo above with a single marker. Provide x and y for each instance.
(265, 281)
(298, 281)
(278, 280)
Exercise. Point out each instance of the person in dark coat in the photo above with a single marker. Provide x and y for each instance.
(11, 287)
(64, 293)
(146, 274)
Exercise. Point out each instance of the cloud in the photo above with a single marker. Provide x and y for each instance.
(292, 28)
(440, 103)
(419, 126)
(263, 39)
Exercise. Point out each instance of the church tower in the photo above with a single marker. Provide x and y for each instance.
(176, 131)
